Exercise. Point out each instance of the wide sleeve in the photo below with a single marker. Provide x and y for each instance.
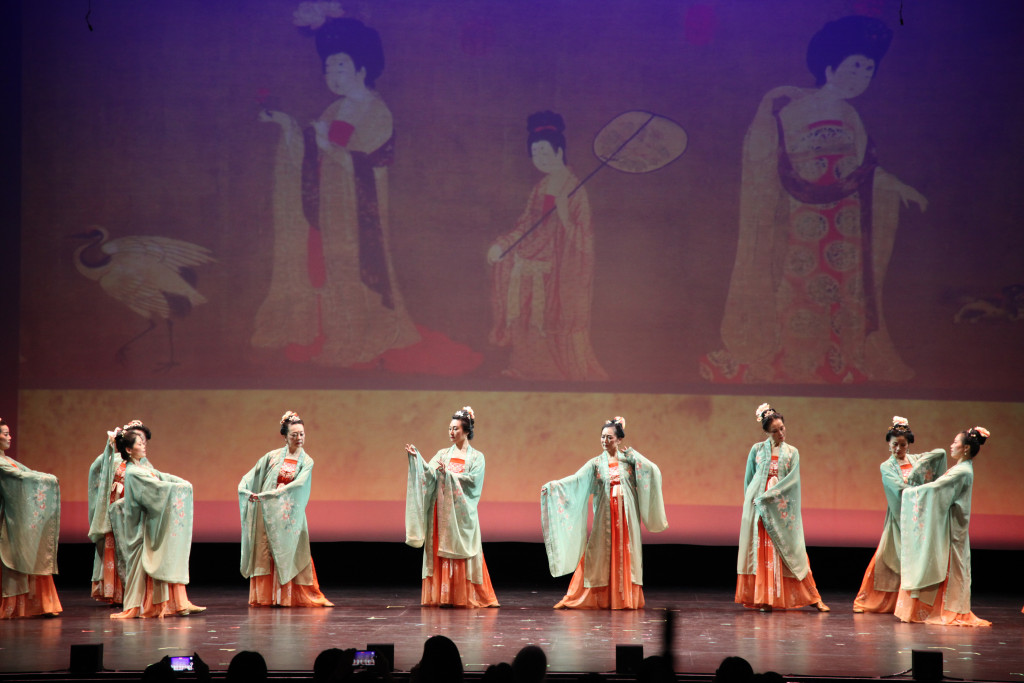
(779, 509)
(248, 511)
(928, 467)
(30, 510)
(101, 476)
(748, 474)
(925, 527)
(163, 504)
(563, 509)
(458, 527)
(649, 498)
(421, 488)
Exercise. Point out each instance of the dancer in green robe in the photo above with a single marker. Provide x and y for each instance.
(936, 548)
(29, 526)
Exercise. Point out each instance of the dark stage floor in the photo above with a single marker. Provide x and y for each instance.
(708, 628)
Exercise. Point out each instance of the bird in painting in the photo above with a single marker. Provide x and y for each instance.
(151, 275)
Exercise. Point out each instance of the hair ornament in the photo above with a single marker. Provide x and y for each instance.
(131, 425)
(313, 15)
(982, 431)
(290, 417)
(619, 420)
(900, 424)
(762, 410)
(538, 129)
(466, 411)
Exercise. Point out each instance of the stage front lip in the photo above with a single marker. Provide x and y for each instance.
(383, 521)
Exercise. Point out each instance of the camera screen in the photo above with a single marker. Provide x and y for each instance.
(365, 658)
(182, 663)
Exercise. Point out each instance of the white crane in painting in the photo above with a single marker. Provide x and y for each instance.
(152, 276)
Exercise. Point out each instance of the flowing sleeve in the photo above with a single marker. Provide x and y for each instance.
(779, 509)
(284, 519)
(421, 487)
(925, 527)
(101, 477)
(458, 527)
(163, 505)
(563, 508)
(928, 468)
(30, 511)
(649, 496)
(748, 474)
(247, 511)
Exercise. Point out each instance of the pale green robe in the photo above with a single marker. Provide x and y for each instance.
(274, 527)
(29, 524)
(152, 525)
(101, 480)
(926, 467)
(456, 497)
(564, 512)
(934, 520)
(778, 508)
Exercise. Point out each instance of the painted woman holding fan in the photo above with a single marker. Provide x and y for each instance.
(543, 278)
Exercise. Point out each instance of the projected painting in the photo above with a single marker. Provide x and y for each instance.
(375, 213)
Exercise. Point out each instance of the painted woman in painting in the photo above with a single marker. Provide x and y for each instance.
(542, 285)
(333, 296)
(334, 299)
(818, 219)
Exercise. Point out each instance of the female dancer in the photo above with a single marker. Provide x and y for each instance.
(542, 290)
(30, 517)
(772, 567)
(151, 518)
(440, 516)
(881, 582)
(106, 471)
(272, 500)
(626, 490)
(936, 548)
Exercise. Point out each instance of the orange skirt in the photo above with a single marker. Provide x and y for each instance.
(449, 587)
(177, 603)
(869, 599)
(40, 599)
(911, 609)
(621, 592)
(266, 590)
(109, 588)
(769, 587)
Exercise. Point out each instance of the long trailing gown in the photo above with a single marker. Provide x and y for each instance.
(29, 527)
(542, 290)
(881, 584)
(441, 517)
(818, 219)
(151, 517)
(772, 567)
(275, 535)
(334, 298)
(936, 551)
(607, 566)
(106, 582)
